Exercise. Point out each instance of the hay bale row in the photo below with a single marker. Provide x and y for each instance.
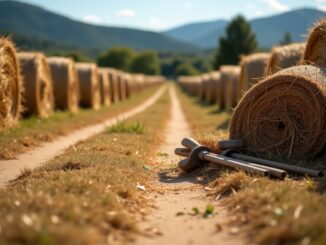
(32, 84)
(10, 84)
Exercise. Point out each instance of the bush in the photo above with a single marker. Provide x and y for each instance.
(118, 57)
(146, 63)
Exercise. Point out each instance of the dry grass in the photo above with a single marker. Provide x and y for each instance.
(33, 131)
(267, 211)
(88, 195)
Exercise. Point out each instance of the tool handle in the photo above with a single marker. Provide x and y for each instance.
(189, 143)
(182, 152)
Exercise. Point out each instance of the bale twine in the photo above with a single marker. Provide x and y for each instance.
(315, 51)
(121, 85)
(252, 70)
(104, 83)
(11, 86)
(284, 115)
(89, 85)
(114, 85)
(230, 76)
(65, 83)
(284, 57)
(38, 84)
(213, 83)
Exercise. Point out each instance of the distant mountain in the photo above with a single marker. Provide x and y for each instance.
(29, 20)
(269, 30)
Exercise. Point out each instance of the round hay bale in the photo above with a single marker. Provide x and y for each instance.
(11, 86)
(38, 84)
(230, 75)
(121, 85)
(104, 83)
(65, 83)
(284, 57)
(315, 51)
(252, 70)
(114, 85)
(89, 85)
(129, 83)
(284, 115)
(212, 87)
(206, 86)
(139, 80)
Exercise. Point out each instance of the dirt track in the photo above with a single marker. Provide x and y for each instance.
(180, 195)
(12, 168)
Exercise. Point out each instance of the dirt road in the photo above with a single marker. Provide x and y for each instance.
(173, 221)
(11, 168)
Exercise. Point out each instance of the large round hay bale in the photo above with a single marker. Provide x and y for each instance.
(65, 83)
(114, 85)
(284, 57)
(230, 76)
(284, 116)
(315, 51)
(252, 70)
(212, 87)
(10, 84)
(104, 83)
(89, 85)
(38, 84)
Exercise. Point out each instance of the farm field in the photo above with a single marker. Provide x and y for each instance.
(155, 123)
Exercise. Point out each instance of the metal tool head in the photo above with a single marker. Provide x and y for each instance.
(193, 161)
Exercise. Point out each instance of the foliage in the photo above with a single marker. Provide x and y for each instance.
(186, 69)
(239, 40)
(146, 62)
(117, 57)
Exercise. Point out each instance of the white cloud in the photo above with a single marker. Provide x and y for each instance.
(254, 10)
(321, 7)
(92, 19)
(129, 13)
(276, 5)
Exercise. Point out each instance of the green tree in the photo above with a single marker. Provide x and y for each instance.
(146, 63)
(77, 56)
(239, 40)
(186, 69)
(117, 57)
(287, 39)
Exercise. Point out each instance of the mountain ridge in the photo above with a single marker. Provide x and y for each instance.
(269, 30)
(31, 20)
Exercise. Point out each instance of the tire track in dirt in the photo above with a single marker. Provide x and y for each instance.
(9, 169)
(179, 195)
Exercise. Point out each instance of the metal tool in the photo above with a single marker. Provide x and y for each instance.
(200, 154)
(278, 165)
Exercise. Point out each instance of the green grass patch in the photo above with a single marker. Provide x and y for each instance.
(123, 127)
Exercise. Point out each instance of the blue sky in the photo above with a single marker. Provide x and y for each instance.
(163, 14)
